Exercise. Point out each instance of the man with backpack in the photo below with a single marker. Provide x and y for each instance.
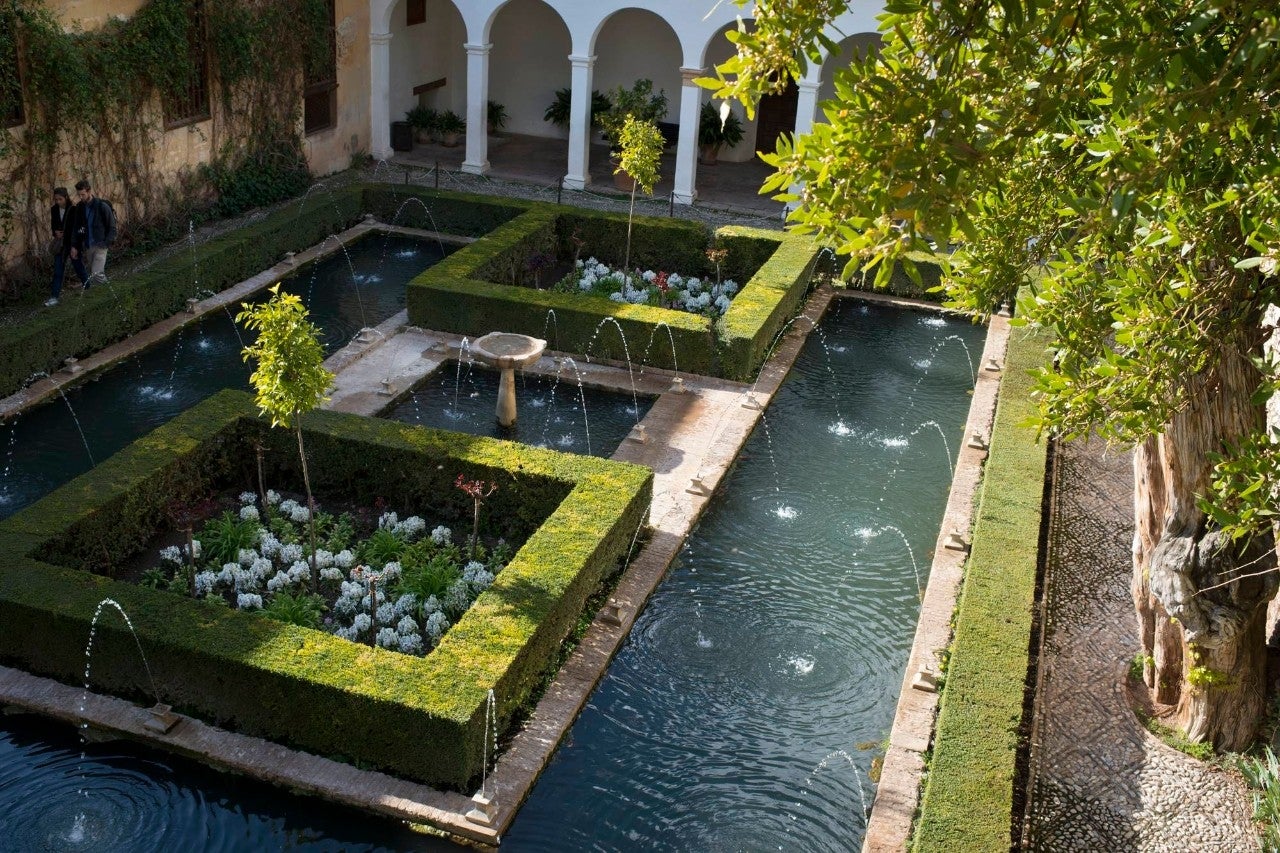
(91, 231)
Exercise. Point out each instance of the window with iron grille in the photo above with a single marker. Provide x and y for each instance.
(191, 103)
(320, 95)
(12, 113)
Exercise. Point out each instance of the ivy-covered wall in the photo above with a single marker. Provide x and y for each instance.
(92, 79)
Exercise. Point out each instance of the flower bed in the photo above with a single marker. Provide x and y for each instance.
(661, 289)
(576, 516)
(397, 585)
(494, 284)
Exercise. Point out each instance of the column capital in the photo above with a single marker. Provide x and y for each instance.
(809, 85)
(478, 49)
(579, 61)
(688, 75)
(380, 38)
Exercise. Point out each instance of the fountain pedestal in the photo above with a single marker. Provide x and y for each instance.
(507, 351)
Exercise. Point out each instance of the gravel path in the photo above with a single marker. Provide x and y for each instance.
(1101, 782)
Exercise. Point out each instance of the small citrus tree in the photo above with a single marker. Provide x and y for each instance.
(290, 378)
(641, 144)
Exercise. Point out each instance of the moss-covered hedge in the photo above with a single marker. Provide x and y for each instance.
(968, 799)
(434, 210)
(421, 718)
(480, 289)
(766, 302)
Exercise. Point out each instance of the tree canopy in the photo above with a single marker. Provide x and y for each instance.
(1130, 147)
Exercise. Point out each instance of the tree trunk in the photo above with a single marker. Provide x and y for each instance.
(311, 502)
(631, 214)
(1205, 642)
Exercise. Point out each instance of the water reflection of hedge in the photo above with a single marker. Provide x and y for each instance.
(421, 718)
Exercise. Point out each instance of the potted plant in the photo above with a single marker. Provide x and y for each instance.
(424, 121)
(639, 103)
(451, 126)
(558, 113)
(497, 117)
(717, 128)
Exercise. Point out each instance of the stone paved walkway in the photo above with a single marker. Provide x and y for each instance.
(1101, 782)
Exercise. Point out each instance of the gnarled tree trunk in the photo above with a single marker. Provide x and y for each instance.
(1202, 623)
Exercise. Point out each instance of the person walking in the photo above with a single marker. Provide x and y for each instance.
(93, 230)
(59, 220)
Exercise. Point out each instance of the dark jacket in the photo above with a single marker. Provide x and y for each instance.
(104, 225)
(57, 224)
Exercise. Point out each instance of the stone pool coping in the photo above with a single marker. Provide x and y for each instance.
(41, 390)
(898, 791)
(693, 437)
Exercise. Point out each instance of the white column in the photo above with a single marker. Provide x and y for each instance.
(806, 112)
(687, 148)
(380, 96)
(477, 162)
(806, 105)
(579, 169)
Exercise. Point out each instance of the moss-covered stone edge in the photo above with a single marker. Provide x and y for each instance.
(968, 797)
(420, 718)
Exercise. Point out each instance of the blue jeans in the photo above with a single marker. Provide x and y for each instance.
(60, 270)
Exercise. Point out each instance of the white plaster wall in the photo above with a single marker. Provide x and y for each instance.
(855, 46)
(529, 61)
(426, 52)
(634, 44)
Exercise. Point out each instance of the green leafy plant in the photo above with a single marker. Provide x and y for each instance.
(432, 577)
(560, 110)
(423, 117)
(289, 378)
(451, 122)
(1263, 775)
(716, 131)
(639, 102)
(301, 609)
(641, 150)
(155, 578)
(496, 116)
(223, 538)
(381, 547)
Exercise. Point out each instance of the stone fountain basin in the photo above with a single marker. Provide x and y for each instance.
(508, 350)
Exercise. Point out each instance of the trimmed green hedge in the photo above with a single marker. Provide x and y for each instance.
(478, 290)
(448, 212)
(756, 315)
(420, 718)
(968, 799)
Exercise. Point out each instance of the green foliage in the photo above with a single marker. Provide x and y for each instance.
(423, 117)
(222, 538)
(302, 609)
(380, 548)
(1175, 739)
(639, 103)
(496, 115)
(1138, 666)
(155, 578)
(560, 110)
(289, 378)
(1263, 776)
(295, 685)
(1131, 149)
(640, 144)
(714, 130)
(430, 576)
(1203, 677)
(260, 179)
(968, 796)
(451, 122)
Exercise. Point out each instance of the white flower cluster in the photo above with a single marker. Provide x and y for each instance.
(690, 294)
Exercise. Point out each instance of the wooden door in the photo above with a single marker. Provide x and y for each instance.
(777, 115)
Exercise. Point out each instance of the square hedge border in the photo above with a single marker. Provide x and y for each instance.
(418, 718)
(461, 293)
(105, 314)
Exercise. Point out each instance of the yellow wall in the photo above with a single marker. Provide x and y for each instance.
(185, 148)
